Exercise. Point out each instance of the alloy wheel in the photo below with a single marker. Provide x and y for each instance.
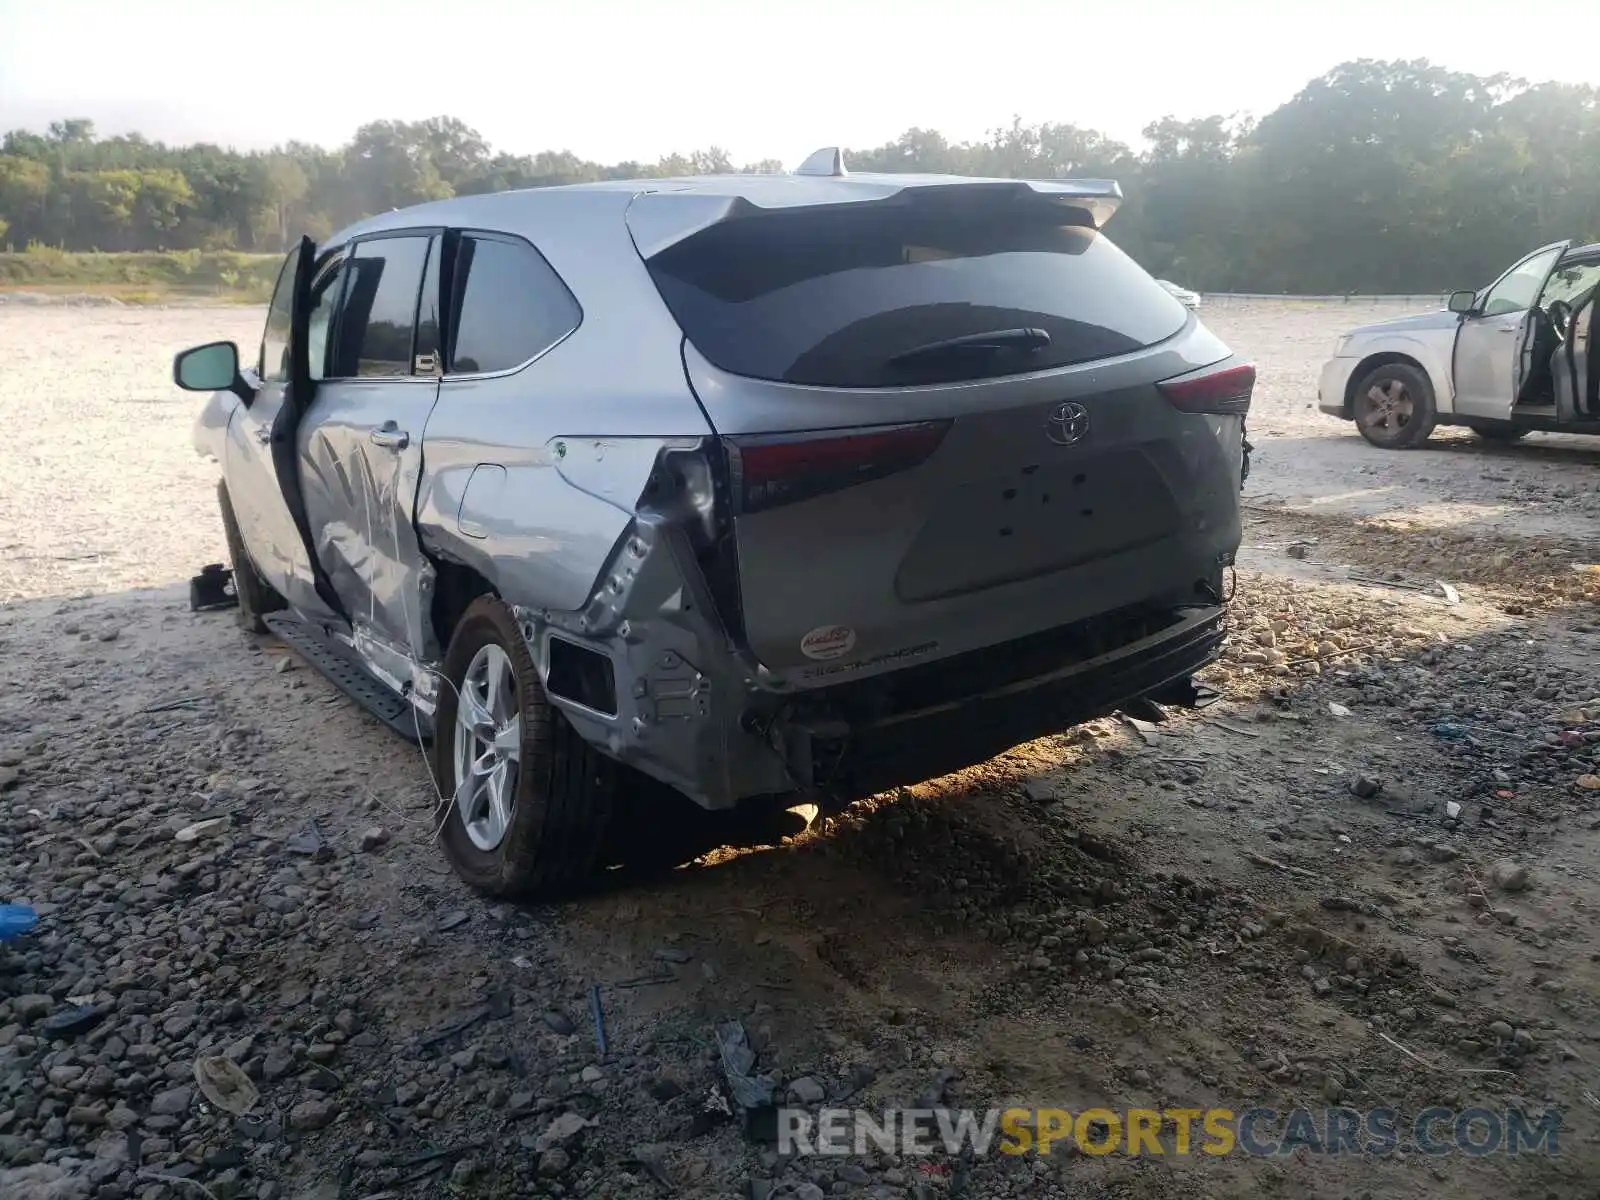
(488, 747)
(1387, 407)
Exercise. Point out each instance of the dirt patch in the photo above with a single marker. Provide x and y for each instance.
(1365, 878)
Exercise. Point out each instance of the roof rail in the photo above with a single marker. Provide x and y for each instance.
(827, 161)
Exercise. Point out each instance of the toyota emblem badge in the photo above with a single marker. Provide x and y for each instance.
(1068, 423)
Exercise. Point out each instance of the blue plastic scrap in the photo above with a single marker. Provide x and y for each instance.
(599, 1021)
(16, 919)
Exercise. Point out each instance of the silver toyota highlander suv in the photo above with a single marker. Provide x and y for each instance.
(797, 485)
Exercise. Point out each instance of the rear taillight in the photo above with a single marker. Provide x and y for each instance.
(1224, 392)
(770, 470)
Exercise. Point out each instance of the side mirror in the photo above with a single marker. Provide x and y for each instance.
(1462, 302)
(213, 367)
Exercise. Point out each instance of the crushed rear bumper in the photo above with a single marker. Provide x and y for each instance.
(857, 757)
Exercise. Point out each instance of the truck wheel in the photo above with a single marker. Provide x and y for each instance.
(1393, 406)
(1498, 432)
(256, 596)
(525, 800)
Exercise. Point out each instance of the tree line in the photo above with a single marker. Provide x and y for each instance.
(1378, 176)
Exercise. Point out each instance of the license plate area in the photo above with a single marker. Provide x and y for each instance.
(1037, 519)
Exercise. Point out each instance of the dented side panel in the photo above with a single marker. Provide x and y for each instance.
(624, 583)
(541, 479)
(542, 532)
(520, 524)
(681, 690)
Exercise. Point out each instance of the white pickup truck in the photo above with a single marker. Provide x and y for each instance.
(1504, 361)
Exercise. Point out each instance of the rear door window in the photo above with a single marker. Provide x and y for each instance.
(1572, 284)
(837, 296)
(377, 321)
(510, 306)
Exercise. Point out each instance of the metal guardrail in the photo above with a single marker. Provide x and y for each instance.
(1438, 298)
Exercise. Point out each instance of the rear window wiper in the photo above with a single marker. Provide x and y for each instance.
(990, 342)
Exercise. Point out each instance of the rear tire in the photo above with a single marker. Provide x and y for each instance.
(256, 596)
(1393, 406)
(540, 833)
(1498, 433)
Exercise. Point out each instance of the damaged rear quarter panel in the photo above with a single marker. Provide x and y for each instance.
(576, 561)
(558, 534)
(537, 538)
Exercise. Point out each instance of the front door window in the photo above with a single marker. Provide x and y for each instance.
(1520, 287)
(273, 365)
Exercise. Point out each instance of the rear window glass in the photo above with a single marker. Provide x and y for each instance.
(837, 297)
(510, 306)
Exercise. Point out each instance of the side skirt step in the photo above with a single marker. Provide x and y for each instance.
(343, 668)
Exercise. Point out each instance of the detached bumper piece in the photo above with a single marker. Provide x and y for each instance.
(959, 732)
(212, 589)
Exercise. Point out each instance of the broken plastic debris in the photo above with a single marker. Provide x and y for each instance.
(1449, 731)
(222, 1082)
(752, 1093)
(70, 1022)
(1146, 730)
(597, 1010)
(1589, 783)
(1338, 709)
(1452, 809)
(1451, 596)
(16, 919)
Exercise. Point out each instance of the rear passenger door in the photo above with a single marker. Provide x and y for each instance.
(362, 440)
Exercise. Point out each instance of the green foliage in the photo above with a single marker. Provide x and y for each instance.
(1379, 176)
(148, 274)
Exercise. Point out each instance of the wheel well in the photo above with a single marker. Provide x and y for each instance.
(1371, 363)
(455, 587)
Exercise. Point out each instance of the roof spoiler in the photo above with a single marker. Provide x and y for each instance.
(1100, 198)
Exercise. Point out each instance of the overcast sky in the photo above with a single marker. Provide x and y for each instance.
(620, 79)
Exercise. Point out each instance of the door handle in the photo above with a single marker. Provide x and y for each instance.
(1508, 329)
(389, 436)
(264, 435)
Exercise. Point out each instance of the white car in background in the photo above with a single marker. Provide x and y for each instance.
(1504, 361)
(1190, 300)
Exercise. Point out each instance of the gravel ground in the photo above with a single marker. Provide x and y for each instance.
(1367, 877)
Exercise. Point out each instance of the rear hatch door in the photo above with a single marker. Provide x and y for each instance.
(942, 423)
